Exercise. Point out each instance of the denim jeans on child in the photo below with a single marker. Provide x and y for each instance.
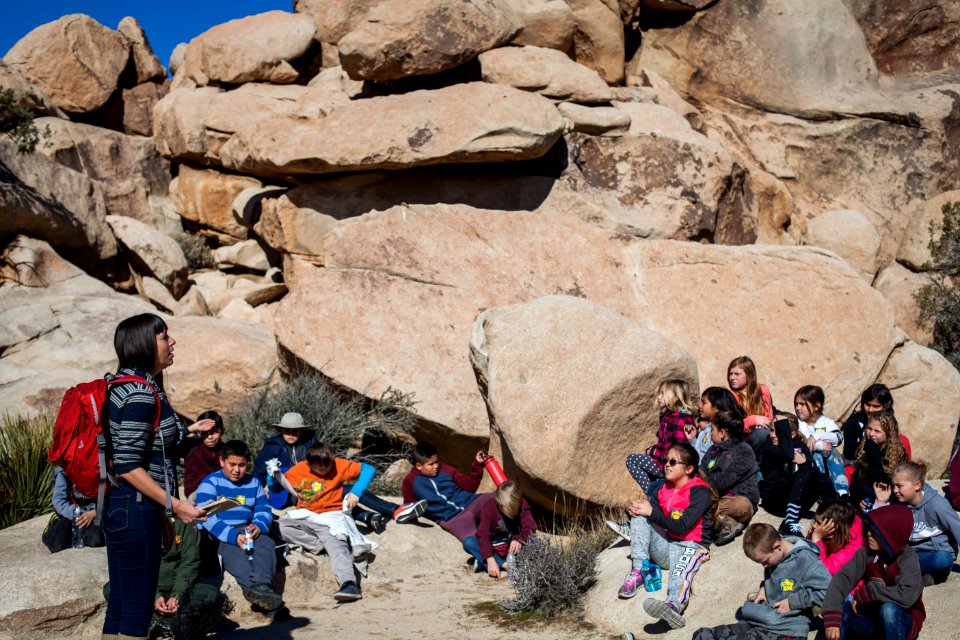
(892, 622)
(936, 563)
(831, 463)
(132, 529)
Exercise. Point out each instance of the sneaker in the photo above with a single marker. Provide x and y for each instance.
(622, 529)
(409, 511)
(652, 580)
(378, 523)
(262, 596)
(664, 611)
(628, 636)
(631, 585)
(349, 591)
(791, 528)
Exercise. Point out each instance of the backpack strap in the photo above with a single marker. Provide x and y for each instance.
(105, 446)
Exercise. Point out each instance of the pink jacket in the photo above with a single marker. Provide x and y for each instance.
(841, 556)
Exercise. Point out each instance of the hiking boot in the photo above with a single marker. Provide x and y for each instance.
(622, 529)
(728, 530)
(652, 580)
(349, 591)
(631, 585)
(262, 596)
(664, 611)
(409, 511)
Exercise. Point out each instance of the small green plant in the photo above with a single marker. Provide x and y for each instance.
(341, 420)
(17, 123)
(195, 250)
(939, 301)
(26, 478)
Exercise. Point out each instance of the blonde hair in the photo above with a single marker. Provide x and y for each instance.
(676, 394)
(508, 499)
(895, 452)
(750, 397)
(913, 471)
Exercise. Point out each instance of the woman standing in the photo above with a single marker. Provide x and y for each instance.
(144, 463)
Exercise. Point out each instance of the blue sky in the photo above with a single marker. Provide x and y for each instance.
(166, 23)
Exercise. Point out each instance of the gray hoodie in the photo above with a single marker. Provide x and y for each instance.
(802, 579)
(936, 526)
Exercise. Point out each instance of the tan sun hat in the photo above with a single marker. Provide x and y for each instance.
(291, 420)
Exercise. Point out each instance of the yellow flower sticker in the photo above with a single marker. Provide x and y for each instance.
(676, 514)
(711, 463)
(786, 584)
(241, 499)
(316, 486)
(178, 539)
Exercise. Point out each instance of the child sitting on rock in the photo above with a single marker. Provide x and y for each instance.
(245, 549)
(205, 459)
(823, 436)
(504, 525)
(676, 415)
(322, 520)
(451, 501)
(73, 518)
(288, 446)
(730, 467)
(794, 581)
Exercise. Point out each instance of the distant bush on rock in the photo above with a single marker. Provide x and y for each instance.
(939, 301)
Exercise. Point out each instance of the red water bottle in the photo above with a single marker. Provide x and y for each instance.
(494, 469)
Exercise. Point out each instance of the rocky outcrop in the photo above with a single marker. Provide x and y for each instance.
(206, 196)
(44, 199)
(926, 388)
(257, 48)
(914, 250)
(531, 360)
(400, 131)
(900, 286)
(25, 94)
(127, 169)
(596, 121)
(598, 40)
(402, 38)
(152, 252)
(75, 60)
(907, 39)
(145, 61)
(547, 71)
(138, 104)
(851, 236)
(246, 254)
(544, 23)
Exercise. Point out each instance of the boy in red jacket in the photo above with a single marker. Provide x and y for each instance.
(889, 603)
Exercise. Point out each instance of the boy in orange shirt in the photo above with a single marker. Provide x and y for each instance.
(322, 518)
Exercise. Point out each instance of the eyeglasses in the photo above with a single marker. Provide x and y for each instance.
(671, 462)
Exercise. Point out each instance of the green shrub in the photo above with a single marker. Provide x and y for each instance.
(939, 302)
(195, 250)
(26, 478)
(341, 420)
(17, 123)
(553, 574)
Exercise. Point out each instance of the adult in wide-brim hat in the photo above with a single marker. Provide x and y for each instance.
(291, 420)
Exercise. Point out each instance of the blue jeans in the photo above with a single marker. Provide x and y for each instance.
(893, 622)
(372, 501)
(936, 563)
(831, 463)
(132, 530)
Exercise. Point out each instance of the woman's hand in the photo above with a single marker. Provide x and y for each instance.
(201, 426)
(493, 570)
(186, 512)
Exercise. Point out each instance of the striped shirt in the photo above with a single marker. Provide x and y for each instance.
(130, 415)
(249, 492)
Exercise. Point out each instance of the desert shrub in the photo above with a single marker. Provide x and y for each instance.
(26, 477)
(17, 123)
(343, 421)
(939, 302)
(553, 573)
(195, 250)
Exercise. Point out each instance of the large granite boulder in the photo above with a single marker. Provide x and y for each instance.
(547, 71)
(914, 250)
(127, 169)
(257, 48)
(550, 429)
(926, 389)
(206, 196)
(334, 18)
(800, 59)
(851, 236)
(598, 40)
(44, 199)
(145, 61)
(25, 94)
(544, 23)
(400, 131)
(403, 287)
(900, 286)
(910, 38)
(76, 60)
(152, 252)
(402, 38)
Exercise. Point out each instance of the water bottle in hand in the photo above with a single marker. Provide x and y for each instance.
(77, 531)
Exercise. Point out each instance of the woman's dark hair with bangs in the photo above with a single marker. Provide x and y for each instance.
(135, 342)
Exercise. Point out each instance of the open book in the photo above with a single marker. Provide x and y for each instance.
(216, 506)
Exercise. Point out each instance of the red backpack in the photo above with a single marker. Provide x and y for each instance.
(80, 444)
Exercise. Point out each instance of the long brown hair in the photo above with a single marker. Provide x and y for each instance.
(750, 397)
(842, 514)
(690, 458)
(895, 452)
